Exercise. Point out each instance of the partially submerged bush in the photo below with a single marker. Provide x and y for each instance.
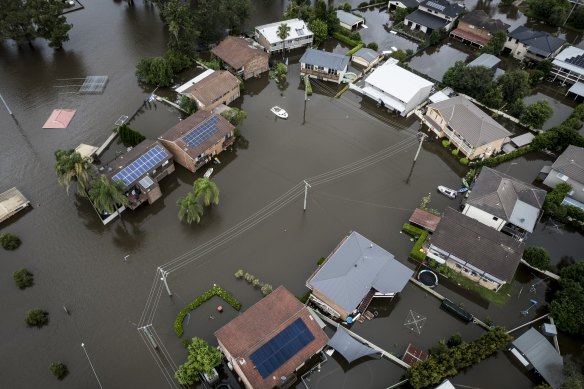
(23, 278)
(37, 318)
(10, 241)
(59, 369)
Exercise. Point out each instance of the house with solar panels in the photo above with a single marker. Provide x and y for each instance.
(140, 170)
(270, 341)
(357, 271)
(197, 139)
(568, 66)
(323, 65)
(433, 15)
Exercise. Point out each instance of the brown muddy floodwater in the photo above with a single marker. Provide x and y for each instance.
(259, 225)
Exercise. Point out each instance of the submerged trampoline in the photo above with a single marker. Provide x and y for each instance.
(428, 278)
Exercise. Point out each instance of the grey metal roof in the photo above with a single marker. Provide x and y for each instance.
(356, 266)
(325, 59)
(348, 18)
(571, 163)
(474, 125)
(350, 348)
(481, 246)
(445, 7)
(367, 54)
(542, 355)
(426, 19)
(538, 42)
(523, 140)
(486, 60)
(507, 198)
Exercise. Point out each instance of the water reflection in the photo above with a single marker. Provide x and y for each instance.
(434, 61)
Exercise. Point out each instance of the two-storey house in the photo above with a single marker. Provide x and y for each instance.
(433, 15)
(477, 28)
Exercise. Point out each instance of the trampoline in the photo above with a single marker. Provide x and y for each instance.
(428, 278)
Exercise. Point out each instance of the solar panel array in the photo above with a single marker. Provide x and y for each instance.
(436, 6)
(138, 167)
(577, 60)
(93, 84)
(202, 132)
(281, 348)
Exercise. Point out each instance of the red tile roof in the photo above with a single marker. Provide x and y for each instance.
(236, 52)
(425, 219)
(258, 325)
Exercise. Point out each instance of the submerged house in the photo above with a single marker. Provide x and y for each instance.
(197, 139)
(271, 340)
(434, 15)
(211, 89)
(504, 203)
(526, 44)
(466, 126)
(366, 57)
(140, 170)
(477, 28)
(475, 250)
(569, 168)
(350, 21)
(353, 274)
(323, 65)
(241, 57)
(298, 36)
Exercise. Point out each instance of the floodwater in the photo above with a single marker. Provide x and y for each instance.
(436, 60)
(79, 263)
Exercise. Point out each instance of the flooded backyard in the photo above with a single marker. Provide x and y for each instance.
(259, 225)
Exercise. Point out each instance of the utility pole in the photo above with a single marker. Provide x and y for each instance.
(91, 364)
(163, 279)
(11, 114)
(306, 186)
(305, 99)
(422, 137)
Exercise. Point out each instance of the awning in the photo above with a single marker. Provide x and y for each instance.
(349, 347)
(577, 89)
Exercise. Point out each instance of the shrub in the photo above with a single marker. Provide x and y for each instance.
(454, 340)
(256, 282)
(23, 278)
(266, 289)
(37, 318)
(308, 86)
(212, 64)
(216, 290)
(454, 152)
(188, 105)
(464, 161)
(494, 161)
(355, 36)
(363, 4)
(343, 90)
(538, 257)
(346, 7)
(421, 236)
(354, 50)
(128, 136)
(446, 143)
(373, 46)
(320, 261)
(9, 241)
(248, 277)
(345, 39)
(239, 273)
(59, 369)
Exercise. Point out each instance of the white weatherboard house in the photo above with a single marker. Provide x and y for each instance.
(298, 36)
(323, 65)
(394, 87)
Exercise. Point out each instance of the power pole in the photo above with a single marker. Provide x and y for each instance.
(11, 114)
(305, 98)
(306, 186)
(163, 279)
(422, 137)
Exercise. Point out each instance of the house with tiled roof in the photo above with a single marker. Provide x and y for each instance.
(357, 271)
(472, 131)
(569, 168)
(323, 65)
(433, 15)
(527, 44)
(242, 57)
(212, 89)
(477, 28)
(271, 340)
(480, 253)
(197, 139)
(504, 203)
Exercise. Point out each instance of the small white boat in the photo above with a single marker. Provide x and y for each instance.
(279, 112)
(447, 192)
(208, 173)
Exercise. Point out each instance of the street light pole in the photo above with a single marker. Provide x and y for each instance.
(91, 364)
(306, 186)
(163, 279)
(6, 105)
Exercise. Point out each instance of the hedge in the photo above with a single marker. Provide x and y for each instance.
(216, 290)
(345, 39)
(354, 49)
(345, 88)
(308, 85)
(494, 161)
(421, 235)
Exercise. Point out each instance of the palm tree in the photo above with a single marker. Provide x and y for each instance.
(190, 207)
(207, 189)
(283, 32)
(106, 195)
(71, 166)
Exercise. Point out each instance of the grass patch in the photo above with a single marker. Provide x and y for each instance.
(500, 297)
(216, 290)
(421, 236)
(354, 50)
(308, 85)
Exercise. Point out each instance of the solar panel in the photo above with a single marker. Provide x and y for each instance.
(577, 60)
(434, 5)
(141, 165)
(202, 132)
(281, 348)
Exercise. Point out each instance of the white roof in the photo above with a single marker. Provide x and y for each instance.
(86, 151)
(577, 88)
(445, 385)
(438, 97)
(193, 81)
(298, 29)
(397, 81)
(569, 52)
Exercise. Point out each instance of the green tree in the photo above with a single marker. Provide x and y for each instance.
(49, 21)
(514, 85)
(9, 241)
(235, 116)
(537, 256)
(320, 30)
(566, 308)
(188, 105)
(59, 370)
(179, 19)
(37, 318)
(573, 378)
(536, 114)
(454, 340)
(400, 14)
(346, 7)
(280, 72)
(128, 136)
(474, 81)
(495, 44)
(155, 71)
(23, 278)
(554, 12)
(106, 195)
(283, 32)
(201, 359)
(72, 167)
(190, 207)
(373, 46)
(494, 97)
(207, 190)
(298, 10)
